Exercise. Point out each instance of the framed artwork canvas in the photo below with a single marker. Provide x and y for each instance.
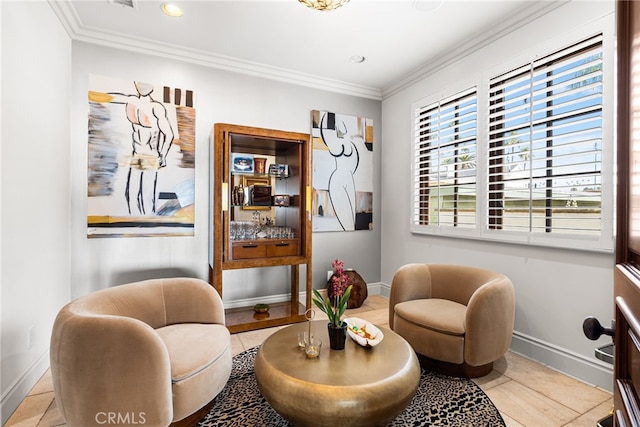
(342, 172)
(141, 159)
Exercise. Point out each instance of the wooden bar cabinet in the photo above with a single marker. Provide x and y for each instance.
(262, 215)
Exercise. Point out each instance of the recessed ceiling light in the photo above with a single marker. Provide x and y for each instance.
(171, 9)
(427, 5)
(357, 59)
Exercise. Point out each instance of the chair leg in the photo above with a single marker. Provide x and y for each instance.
(193, 419)
(453, 369)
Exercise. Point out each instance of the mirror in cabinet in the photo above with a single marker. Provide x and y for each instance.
(262, 212)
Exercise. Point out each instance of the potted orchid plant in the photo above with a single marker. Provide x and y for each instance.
(335, 306)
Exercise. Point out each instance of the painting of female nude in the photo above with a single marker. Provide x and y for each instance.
(342, 172)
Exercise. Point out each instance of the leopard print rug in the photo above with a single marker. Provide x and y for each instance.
(440, 401)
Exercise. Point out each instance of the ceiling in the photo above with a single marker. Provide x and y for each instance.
(401, 40)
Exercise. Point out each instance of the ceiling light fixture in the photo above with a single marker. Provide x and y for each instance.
(323, 4)
(427, 5)
(357, 59)
(171, 9)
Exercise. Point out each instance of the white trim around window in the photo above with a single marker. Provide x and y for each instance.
(464, 183)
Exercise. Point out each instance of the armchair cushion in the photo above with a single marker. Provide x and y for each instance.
(439, 315)
(199, 353)
(193, 347)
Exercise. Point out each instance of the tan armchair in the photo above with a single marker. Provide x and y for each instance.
(459, 319)
(151, 353)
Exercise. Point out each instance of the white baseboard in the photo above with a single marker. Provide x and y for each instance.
(17, 391)
(372, 289)
(382, 289)
(589, 370)
(248, 302)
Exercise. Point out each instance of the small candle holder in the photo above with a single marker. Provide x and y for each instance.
(303, 339)
(312, 350)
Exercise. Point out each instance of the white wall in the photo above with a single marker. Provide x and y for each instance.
(555, 289)
(223, 97)
(35, 195)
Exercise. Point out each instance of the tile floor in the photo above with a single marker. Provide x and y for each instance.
(526, 393)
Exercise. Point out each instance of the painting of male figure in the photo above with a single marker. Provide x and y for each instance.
(141, 159)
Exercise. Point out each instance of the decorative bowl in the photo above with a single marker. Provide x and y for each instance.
(261, 308)
(364, 333)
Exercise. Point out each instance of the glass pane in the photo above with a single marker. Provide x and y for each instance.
(546, 148)
(445, 163)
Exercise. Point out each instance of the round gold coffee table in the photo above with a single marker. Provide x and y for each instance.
(356, 386)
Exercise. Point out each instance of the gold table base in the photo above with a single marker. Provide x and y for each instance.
(356, 386)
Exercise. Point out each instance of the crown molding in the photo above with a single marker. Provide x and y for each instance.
(72, 24)
(525, 15)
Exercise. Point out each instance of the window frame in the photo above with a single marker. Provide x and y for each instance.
(450, 93)
(464, 100)
(605, 241)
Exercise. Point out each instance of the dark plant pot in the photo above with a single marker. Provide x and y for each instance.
(337, 336)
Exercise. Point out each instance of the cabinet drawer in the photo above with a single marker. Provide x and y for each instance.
(249, 250)
(283, 248)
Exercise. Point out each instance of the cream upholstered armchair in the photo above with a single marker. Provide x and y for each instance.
(459, 319)
(151, 353)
